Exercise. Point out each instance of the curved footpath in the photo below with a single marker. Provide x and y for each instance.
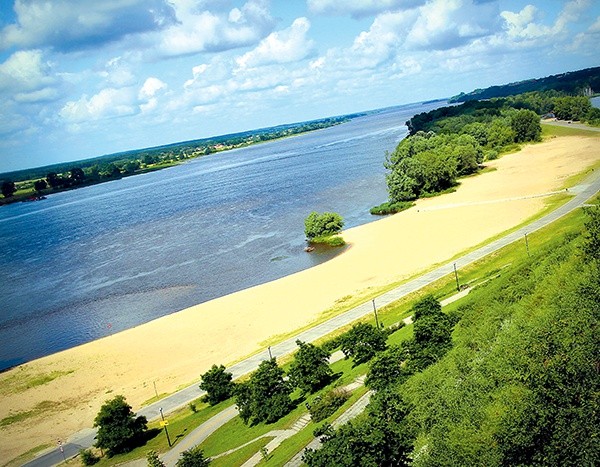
(85, 438)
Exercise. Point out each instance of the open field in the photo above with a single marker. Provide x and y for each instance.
(174, 350)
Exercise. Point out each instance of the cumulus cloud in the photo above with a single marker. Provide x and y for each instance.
(68, 25)
(445, 24)
(27, 78)
(526, 24)
(215, 30)
(288, 45)
(360, 8)
(109, 102)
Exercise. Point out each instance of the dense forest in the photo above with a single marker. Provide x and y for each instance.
(580, 82)
(450, 142)
(36, 182)
(509, 377)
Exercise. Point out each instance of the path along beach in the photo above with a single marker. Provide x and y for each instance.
(171, 352)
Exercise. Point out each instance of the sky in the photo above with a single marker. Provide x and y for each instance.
(83, 78)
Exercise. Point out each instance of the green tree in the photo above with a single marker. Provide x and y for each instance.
(193, 457)
(266, 396)
(8, 189)
(40, 185)
(526, 125)
(119, 430)
(76, 176)
(310, 369)
(322, 225)
(218, 384)
(387, 368)
(362, 342)
(54, 180)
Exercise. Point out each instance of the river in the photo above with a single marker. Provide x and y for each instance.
(97, 260)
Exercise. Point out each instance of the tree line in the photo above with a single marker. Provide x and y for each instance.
(36, 182)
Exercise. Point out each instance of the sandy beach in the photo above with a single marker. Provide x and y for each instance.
(174, 350)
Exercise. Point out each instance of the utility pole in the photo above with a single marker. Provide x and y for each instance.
(456, 277)
(527, 245)
(270, 355)
(375, 311)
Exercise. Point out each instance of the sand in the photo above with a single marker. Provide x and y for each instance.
(174, 350)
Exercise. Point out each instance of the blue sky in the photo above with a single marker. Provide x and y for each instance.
(83, 78)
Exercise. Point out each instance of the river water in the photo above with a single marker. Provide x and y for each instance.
(101, 259)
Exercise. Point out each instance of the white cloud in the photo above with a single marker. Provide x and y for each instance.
(360, 8)
(445, 24)
(25, 70)
(526, 24)
(109, 102)
(214, 31)
(151, 86)
(288, 45)
(74, 24)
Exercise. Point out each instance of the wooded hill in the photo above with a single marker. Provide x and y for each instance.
(580, 82)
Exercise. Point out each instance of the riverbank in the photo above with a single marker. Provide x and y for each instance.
(175, 350)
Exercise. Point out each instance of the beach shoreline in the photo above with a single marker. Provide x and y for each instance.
(171, 352)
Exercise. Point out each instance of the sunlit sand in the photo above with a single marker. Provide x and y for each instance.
(173, 351)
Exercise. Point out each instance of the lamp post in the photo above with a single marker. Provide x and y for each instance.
(165, 425)
(270, 354)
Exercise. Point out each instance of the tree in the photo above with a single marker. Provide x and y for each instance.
(119, 430)
(526, 125)
(76, 176)
(266, 396)
(432, 334)
(387, 368)
(40, 185)
(362, 342)
(322, 225)
(8, 189)
(193, 457)
(218, 384)
(54, 180)
(310, 369)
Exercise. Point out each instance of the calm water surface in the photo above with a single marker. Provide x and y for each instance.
(97, 260)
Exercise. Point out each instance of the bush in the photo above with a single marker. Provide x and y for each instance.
(322, 225)
(88, 457)
(332, 240)
(391, 208)
(324, 406)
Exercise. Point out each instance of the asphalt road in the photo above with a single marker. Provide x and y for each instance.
(85, 438)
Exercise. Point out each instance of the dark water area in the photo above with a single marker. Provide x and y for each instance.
(101, 259)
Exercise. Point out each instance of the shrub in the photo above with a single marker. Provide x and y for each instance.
(324, 406)
(391, 208)
(88, 457)
(331, 240)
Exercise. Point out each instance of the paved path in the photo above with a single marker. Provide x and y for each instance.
(579, 126)
(181, 398)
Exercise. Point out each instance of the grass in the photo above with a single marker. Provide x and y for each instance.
(41, 408)
(241, 455)
(22, 381)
